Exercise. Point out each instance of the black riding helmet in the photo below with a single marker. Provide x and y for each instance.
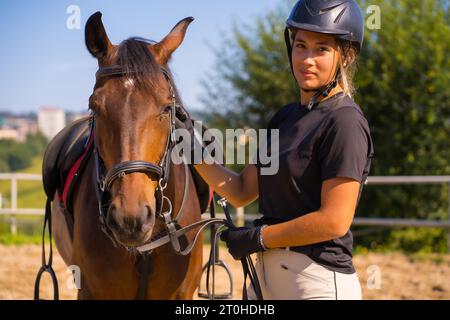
(340, 18)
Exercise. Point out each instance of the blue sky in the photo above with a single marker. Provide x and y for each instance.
(46, 63)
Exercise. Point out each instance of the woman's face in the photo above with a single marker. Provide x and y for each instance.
(314, 59)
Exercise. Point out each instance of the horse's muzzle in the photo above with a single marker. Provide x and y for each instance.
(131, 229)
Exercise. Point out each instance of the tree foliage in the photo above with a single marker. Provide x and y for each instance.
(16, 156)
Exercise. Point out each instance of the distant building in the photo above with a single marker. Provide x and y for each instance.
(51, 120)
(9, 134)
(17, 127)
(24, 126)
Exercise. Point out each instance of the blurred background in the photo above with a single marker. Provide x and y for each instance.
(232, 72)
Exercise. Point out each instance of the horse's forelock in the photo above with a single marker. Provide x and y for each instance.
(139, 64)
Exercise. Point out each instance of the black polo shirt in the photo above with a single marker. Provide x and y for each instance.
(331, 140)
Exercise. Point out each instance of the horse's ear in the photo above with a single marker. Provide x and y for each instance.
(97, 41)
(164, 49)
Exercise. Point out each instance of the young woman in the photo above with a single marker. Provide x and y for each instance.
(303, 242)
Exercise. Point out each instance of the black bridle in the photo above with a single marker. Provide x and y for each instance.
(161, 170)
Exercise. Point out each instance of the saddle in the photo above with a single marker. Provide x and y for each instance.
(67, 155)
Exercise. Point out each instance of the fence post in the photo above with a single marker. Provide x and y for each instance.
(13, 205)
(13, 228)
(240, 222)
(448, 217)
(13, 193)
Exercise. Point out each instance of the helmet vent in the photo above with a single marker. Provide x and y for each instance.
(316, 9)
(340, 15)
(325, 10)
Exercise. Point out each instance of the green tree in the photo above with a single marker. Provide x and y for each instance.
(37, 143)
(19, 157)
(402, 87)
(15, 156)
(251, 79)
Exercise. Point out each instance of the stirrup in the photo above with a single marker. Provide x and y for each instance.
(209, 293)
(47, 264)
(209, 266)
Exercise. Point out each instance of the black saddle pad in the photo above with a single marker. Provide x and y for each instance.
(62, 152)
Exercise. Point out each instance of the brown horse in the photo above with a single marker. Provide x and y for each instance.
(132, 123)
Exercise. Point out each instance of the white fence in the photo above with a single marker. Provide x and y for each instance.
(13, 209)
(241, 217)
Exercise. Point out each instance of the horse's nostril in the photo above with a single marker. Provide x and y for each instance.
(149, 217)
(149, 212)
(133, 226)
(111, 221)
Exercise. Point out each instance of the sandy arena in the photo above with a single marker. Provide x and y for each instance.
(402, 277)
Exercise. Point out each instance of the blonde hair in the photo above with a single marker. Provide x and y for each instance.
(347, 66)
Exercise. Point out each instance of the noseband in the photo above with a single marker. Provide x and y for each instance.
(160, 170)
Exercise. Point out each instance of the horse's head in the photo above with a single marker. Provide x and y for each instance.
(131, 112)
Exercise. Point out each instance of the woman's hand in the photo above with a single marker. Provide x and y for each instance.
(242, 242)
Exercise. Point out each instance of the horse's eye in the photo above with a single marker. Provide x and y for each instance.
(94, 109)
(91, 107)
(94, 104)
(167, 109)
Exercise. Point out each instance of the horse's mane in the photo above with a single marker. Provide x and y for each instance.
(139, 64)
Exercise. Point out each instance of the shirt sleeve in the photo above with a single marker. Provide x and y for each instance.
(345, 146)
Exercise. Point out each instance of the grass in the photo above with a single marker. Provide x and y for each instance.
(20, 239)
(29, 229)
(36, 166)
(31, 194)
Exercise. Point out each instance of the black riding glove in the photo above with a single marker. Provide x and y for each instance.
(242, 241)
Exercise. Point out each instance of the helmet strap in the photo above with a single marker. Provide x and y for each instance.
(310, 90)
(323, 91)
(287, 39)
